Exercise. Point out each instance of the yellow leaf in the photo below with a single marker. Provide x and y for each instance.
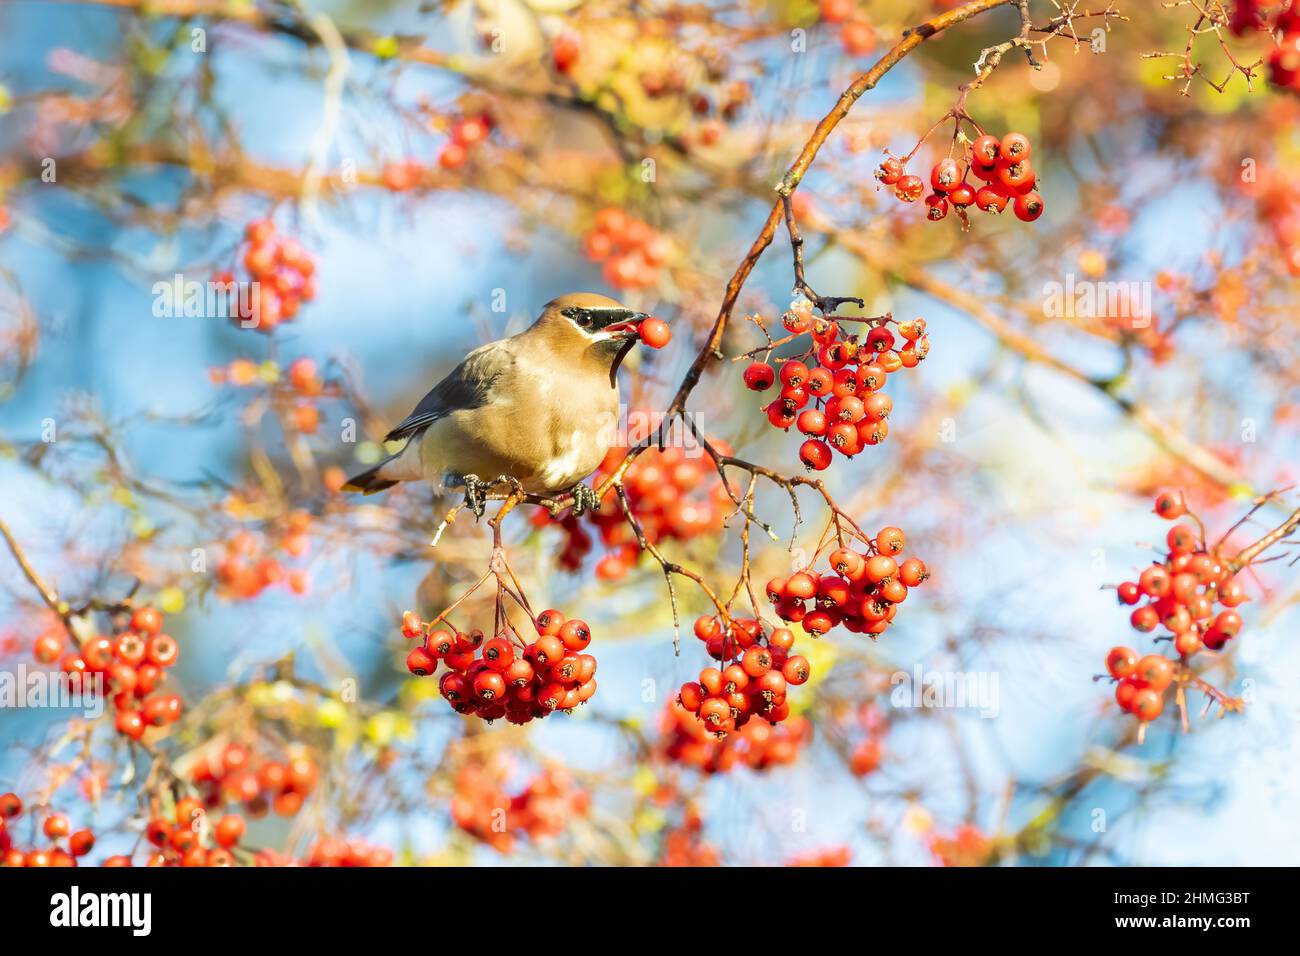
(171, 600)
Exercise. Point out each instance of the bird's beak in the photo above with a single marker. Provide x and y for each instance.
(622, 325)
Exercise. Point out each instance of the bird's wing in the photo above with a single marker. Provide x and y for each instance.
(466, 386)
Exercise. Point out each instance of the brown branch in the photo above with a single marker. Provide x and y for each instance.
(1248, 554)
(48, 594)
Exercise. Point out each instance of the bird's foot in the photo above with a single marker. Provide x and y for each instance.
(475, 493)
(584, 499)
(476, 490)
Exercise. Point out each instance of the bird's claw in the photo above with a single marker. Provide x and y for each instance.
(475, 494)
(584, 499)
(476, 490)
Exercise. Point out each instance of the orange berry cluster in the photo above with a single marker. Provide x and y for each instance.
(134, 664)
(236, 775)
(253, 563)
(828, 857)
(66, 847)
(1279, 208)
(832, 393)
(632, 251)
(674, 497)
(463, 135)
(1001, 165)
(755, 671)
(483, 809)
(1181, 594)
(283, 274)
(857, 35)
(684, 845)
(488, 679)
(757, 745)
(302, 384)
(862, 592)
(185, 839)
(966, 846)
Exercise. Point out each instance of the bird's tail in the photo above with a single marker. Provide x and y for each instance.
(370, 482)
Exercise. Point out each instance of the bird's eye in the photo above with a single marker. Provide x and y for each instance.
(583, 319)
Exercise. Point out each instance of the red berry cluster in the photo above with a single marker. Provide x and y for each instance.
(489, 679)
(673, 496)
(862, 590)
(857, 36)
(1180, 594)
(302, 387)
(1284, 59)
(133, 663)
(463, 135)
(755, 671)
(1002, 166)
(283, 273)
(867, 754)
(66, 847)
(633, 251)
(483, 809)
(336, 851)
(833, 393)
(186, 839)
(235, 775)
(758, 745)
(253, 563)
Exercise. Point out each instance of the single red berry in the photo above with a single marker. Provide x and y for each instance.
(890, 171)
(81, 842)
(759, 377)
(48, 648)
(575, 634)
(986, 149)
(909, 188)
(162, 650)
(961, 195)
(655, 333)
(946, 174)
(146, 620)
(991, 199)
(1147, 704)
(1170, 505)
(1144, 618)
(1015, 147)
(815, 454)
(549, 622)
(420, 662)
(793, 374)
(11, 805)
(936, 206)
(1121, 661)
(1028, 207)
(1155, 671)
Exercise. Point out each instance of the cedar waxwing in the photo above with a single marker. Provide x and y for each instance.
(539, 407)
